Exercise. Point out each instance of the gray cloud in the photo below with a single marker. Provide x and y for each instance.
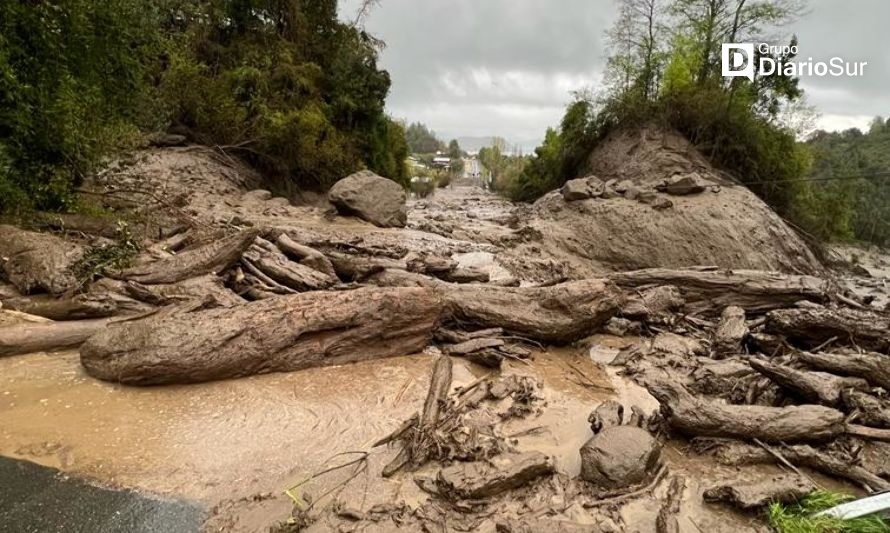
(508, 67)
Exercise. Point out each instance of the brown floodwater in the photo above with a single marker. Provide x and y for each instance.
(237, 445)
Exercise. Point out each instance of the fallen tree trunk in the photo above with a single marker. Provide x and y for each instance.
(873, 367)
(280, 334)
(709, 292)
(734, 453)
(731, 331)
(559, 314)
(440, 384)
(310, 257)
(188, 290)
(43, 337)
(79, 307)
(813, 325)
(817, 387)
(869, 410)
(212, 258)
(703, 418)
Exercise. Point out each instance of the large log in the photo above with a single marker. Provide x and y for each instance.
(212, 258)
(817, 387)
(736, 453)
(873, 367)
(710, 291)
(559, 314)
(43, 337)
(37, 262)
(78, 307)
(280, 334)
(697, 417)
(813, 325)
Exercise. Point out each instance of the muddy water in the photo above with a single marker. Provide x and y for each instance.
(243, 442)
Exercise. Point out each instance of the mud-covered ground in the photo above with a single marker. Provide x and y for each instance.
(235, 447)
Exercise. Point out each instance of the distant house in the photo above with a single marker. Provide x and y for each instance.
(442, 162)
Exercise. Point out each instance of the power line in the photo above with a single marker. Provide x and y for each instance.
(875, 175)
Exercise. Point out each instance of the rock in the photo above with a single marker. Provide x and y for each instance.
(582, 189)
(257, 195)
(477, 480)
(647, 197)
(786, 488)
(37, 262)
(619, 456)
(278, 201)
(622, 186)
(608, 414)
(685, 184)
(370, 197)
(575, 190)
(662, 203)
(632, 193)
(622, 326)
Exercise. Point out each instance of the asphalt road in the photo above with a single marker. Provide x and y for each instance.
(38, 499)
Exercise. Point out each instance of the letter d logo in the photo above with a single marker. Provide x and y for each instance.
(738, 60)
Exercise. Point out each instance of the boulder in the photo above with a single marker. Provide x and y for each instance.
(582, 189)
(681, 185)
(370, 197)
(619, 456)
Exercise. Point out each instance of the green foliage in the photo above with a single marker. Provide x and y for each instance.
(99, 261)
(288, 87)
(849, 196)
(421, 140)
(799, 518)
(73, 83)
(282, 83)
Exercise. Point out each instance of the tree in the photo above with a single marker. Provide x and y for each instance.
(421, 140)
(457, 157)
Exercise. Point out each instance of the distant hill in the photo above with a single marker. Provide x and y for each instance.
(474, 144)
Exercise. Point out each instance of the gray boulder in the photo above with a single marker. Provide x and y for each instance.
(620, 456)
(370, 197)
(582, 189)
(681, 185)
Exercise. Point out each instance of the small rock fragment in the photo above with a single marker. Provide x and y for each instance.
(479, 479)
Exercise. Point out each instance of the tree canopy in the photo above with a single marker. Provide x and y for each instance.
(283, 84)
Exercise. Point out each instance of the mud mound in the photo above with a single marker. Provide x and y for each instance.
(637, 223)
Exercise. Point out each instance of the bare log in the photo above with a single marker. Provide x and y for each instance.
(37, 262)
(466, 275)
(731, 330)
(709, 292)
(562, 313)
(275, 335)
(736, 453)
(703, 418)
(310, 257)
(457, 336)
(786, 488)
(279, 268)
(78, 307)
(817, 387)
(357, 268)
(647, 304)
(212, 258)
(812, 325)
(440, 384)
(868, 433)
(184, 291)
(474, 345)
(869, 410)
(873, 367)
(43, 337)
(666, 522)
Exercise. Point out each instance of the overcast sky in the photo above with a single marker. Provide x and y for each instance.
(508, 67)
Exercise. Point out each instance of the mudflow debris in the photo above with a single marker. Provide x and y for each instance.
(709, 391)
